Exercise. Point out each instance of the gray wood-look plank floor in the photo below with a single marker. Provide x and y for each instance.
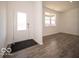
(60, 45)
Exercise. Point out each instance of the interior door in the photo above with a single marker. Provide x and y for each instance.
(20, 31)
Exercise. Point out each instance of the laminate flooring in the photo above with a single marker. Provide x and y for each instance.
(60, 45)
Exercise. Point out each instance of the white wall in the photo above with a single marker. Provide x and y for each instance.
(51, 29)
(67, 22)
(2, 24)
(70, 21)
(34, 11)
(37, 12)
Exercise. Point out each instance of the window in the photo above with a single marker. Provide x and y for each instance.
(53, 20)
(47, 20)
(21, 21)
(50, 19)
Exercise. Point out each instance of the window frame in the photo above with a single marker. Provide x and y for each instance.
(50, 20)
(17, 25)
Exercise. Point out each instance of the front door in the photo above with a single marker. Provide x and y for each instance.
(20, 31)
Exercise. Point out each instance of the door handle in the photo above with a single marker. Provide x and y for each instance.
(28, 25)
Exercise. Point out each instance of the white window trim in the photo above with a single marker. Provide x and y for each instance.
(50, 20)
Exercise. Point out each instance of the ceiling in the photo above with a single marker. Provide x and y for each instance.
(61, 6)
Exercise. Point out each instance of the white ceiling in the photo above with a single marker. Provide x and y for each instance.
(61, 6)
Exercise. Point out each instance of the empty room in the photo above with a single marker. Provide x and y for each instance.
(39, 29)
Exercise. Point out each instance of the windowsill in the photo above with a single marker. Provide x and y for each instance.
(51, 26)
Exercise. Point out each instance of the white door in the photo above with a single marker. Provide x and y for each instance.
(20, 31)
